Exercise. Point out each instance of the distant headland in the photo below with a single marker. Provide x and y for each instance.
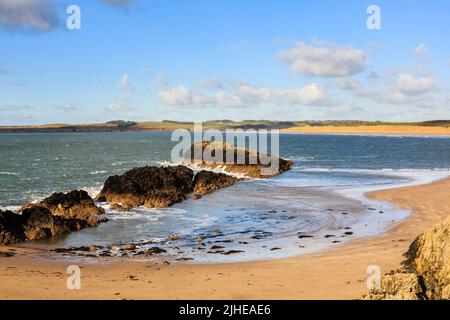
(435, 127)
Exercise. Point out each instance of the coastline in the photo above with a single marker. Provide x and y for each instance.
(338, 273)
(333, 129)
(380, 130)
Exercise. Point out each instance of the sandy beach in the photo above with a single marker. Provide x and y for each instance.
(334, 274)
(408, 130)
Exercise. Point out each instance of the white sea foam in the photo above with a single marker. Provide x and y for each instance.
(10, 208)
(196, 168)
(93, 191)
(8, 173)
(97, 172)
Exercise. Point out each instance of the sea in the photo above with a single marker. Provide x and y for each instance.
(318, 205)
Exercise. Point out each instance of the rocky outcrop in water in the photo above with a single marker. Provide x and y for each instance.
(249, 163)
(34, 223)
(56, 215)
(426, 271)
(207, 182)
(76, 204)
(152, 187)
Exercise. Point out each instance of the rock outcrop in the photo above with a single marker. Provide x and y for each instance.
(56, 215)
(34, 223)
(246, 162)
(429, 257)
(76, 204)
(11, 228)
(398, 285)
(152, 187)
(207, 182)
(426, 271)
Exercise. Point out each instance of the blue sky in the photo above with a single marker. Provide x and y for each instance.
(223, 59)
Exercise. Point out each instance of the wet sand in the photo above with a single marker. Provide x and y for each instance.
(338, 273)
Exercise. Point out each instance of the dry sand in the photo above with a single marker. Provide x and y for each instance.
(334, 274)
(373, 130)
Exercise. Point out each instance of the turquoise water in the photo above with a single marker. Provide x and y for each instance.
(329, 178)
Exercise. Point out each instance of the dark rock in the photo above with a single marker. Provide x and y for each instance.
(35, 223)
(118, 207)
(129, 247)
(151, 251)
(224, 241)
(11, 228)
(215, 251)
(184, 259)
(6, 254)
(196, 196)
(232, 252)
(303, 236)
(251, 164)
(149, 186)
(207, 182)
(76, 204)
(100, 198)
(216, 247)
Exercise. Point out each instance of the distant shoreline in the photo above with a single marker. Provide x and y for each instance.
(388, 130)
(434, 128)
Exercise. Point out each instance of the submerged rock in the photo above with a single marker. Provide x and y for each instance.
(207, 182)
(426, 271)
(240, 160)
(152, 187)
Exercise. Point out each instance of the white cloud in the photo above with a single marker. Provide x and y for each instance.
(310, 94)
(125, 83)
(68, 107)
(28, 15)
(126, 101)
(14, 107)
(211, 83)
(410, 85)
(404, 89)
(243, 95)
(325, 61)
(161, 80)
(181, 95)
(118, 107)
(421, 50)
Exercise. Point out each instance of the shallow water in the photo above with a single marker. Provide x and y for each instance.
(322, 196)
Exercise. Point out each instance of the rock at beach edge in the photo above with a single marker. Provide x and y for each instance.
(426, 271)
